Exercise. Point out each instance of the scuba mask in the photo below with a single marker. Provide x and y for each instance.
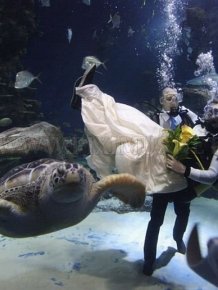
(171, 97)
(210, 111)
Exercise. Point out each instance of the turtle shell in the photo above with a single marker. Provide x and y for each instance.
(22, 184)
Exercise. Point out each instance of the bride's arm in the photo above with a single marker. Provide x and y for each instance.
(203, 176)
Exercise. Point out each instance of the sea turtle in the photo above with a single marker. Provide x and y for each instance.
(48, 195)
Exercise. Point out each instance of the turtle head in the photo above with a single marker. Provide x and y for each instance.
(67, 182)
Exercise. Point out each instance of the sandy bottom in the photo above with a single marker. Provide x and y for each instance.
(104, 252)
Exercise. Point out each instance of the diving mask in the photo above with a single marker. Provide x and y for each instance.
(211, 111)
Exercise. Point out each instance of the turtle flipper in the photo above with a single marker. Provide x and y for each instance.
(8, 208)
(125, 187)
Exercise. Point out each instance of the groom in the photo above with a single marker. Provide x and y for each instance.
(171, 115)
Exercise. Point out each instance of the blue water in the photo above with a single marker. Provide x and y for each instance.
(131, 61)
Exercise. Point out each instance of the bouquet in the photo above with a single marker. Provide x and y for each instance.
(182, 142)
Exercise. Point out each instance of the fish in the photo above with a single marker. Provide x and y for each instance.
(45, 3)
(90, 60)
(24, 78)
(189, 50)
(87, 2)
(130, 32)
(203, 80)
(115, 20)
(94, 35)
(5, 122)
(69, 34)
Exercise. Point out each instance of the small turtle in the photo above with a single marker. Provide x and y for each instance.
(48, 195)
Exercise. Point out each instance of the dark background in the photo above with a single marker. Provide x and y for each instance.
(131, 61)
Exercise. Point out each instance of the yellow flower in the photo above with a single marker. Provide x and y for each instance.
(178, 146)
(187, 133)
(182, 143)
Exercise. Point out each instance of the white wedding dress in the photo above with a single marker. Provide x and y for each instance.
(123, 139)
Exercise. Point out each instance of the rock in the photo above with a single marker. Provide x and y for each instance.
(25, 144)
(195, 98)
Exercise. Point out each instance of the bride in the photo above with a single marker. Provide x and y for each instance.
(123, 139)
